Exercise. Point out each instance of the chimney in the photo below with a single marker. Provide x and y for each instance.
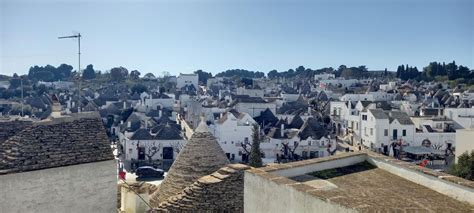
(124, 105)
(281, 130)
(146, 124)
(56, 107)
(221, 115)
(309, 110)
(160, 113)
(129, 124)
(121, 122)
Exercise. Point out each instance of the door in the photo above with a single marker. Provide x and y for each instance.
(167, 153)
(244, 158)
(141, 153)
(395, 134)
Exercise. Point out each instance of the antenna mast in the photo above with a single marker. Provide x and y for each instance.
(78, 36)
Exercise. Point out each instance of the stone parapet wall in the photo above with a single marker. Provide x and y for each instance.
(11, 127)
(222, 191)
(69, 141)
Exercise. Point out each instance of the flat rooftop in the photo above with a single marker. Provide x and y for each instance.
(367, 188)
(364, 182)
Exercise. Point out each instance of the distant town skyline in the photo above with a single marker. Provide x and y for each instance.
(184, 36)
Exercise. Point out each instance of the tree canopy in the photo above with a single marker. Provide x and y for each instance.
(89, 72)
(118, 73)
(50, 73)
(465, 166)
(138, 88)
(203, 76)
(135, 74)
(241, 73)
(255, 157)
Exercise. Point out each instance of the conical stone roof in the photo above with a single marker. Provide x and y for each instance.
(201, 156)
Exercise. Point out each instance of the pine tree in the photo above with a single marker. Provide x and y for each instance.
(255, 158)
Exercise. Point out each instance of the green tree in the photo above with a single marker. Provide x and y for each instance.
(465, 166)
(203, 76)
(255, 158)
(139, 88)
(15, 82)
(118, 73)
(149, 76)
(135, 74)
(273, 74)
(89, 72)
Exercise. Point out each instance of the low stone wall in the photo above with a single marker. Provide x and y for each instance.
(222, 191)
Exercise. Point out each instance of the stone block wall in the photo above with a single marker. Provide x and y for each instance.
(60, 142)
(222, 191)
(11, 127)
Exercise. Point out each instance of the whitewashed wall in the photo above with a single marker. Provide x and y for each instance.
(90, 187)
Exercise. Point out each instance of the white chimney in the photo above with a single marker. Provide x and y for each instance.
(221, 115)
(129, 124)
(281, 130)
(309, 110)
(146, 124)
(125, 105)
(160, 113)
(121, 122)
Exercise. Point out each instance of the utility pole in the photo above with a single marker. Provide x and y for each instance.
(21, 82)
(78, 36)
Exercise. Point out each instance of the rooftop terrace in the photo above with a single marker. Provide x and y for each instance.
(366, 188)
(356, 182)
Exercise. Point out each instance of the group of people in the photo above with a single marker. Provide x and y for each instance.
(394, 149)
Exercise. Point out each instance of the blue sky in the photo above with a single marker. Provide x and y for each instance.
(212, 35)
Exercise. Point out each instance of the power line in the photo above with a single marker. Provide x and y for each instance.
(130, 187)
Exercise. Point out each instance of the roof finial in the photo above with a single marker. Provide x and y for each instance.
(202, 127)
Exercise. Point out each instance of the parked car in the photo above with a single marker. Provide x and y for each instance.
(148, 172)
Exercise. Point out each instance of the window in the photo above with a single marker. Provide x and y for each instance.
(404, 132)
(385, 132)
(364, 117)
(371, 131)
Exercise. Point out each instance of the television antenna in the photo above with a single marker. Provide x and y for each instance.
(78, 36)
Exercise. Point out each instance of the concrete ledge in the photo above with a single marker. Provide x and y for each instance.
(318, 164)
(283, 195)
(427, 179)
(430, 172)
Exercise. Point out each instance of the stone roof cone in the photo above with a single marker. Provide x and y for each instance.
(201, 156)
